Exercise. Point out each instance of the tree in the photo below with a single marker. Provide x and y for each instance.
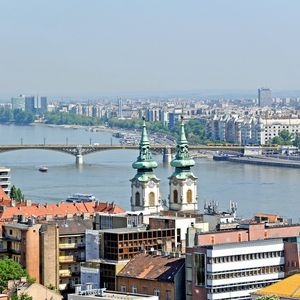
(268, 298)
(22, 296)
(283, 138)
(9, 269)
(296, 141)
(16, 194)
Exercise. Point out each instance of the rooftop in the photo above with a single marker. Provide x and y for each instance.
(152, 267)
(60, 209)
(288, 287)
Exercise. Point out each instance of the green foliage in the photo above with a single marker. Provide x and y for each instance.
(268, 298)
(22, 296)
(194, 129)
(284, 138)
(64, 118)
(296, 141)
(16, 194)
(17, 116)
(9, 270)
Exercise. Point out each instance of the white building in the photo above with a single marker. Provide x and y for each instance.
(5, 179)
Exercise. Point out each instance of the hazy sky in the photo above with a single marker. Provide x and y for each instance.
(95, 47)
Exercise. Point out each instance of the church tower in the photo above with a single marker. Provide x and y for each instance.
(145, 195)
(183, 183)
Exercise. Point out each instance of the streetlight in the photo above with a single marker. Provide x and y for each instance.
(44, 141)
(67, 141)
(21, 141)
(90, 141)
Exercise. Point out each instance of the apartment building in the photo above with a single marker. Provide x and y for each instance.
(232, 264)
(62, 244)
(5, 179)
(20, 242)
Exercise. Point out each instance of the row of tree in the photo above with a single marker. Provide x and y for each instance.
(16, 194)
(194, 129)
(286, 138)
(64, 118)
(17, 116)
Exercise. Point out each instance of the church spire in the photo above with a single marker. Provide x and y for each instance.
(183, 183)
(145, 194)
(144, 161)
(182, 158)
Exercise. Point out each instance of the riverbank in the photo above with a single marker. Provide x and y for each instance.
(265, 161)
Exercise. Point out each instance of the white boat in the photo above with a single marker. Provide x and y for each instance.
(75, 198)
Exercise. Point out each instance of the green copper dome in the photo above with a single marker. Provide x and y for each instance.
(182, 158)
(144, 161)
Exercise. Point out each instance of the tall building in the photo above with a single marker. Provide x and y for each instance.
(264, 97)
(18, 102)
(145, 195)
(120, 108)
(30, 104)
(44, 104)
(183, 183)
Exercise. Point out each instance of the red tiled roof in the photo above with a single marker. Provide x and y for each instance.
(152, 267)
(3, 197)
(60, 209)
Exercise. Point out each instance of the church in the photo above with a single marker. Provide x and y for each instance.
(145, 186)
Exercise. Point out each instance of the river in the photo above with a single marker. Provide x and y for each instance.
(106, 174)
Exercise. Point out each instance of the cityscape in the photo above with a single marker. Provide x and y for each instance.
(149, 150)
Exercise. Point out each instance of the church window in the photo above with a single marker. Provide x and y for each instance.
(151, 199)
(175, 196)
(137, 199)
(189, 196)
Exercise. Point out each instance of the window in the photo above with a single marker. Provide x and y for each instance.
(168, 295)
(137, 199)
(199, 262)
(189, 196)
(145, 290)
(134, 289)
(151, 199)
(175, 196)
(123, 288)
(156, 292)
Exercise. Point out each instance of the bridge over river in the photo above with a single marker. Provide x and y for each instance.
(80, 150)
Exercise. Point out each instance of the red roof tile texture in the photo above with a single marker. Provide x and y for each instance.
(59, 210)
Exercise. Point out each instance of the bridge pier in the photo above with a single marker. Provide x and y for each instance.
(167, 155)
(79, 159)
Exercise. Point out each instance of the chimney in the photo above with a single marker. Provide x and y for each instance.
(88, 286)
(77, 288)
(28, 202)
(13, 203)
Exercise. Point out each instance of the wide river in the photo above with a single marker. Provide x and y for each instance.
(106, 174)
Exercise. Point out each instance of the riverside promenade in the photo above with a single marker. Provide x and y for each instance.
(266, 161)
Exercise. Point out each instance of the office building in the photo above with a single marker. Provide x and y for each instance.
(264, 97)
(44, 104)
(30, 104)
(232, 264)
(18, 102)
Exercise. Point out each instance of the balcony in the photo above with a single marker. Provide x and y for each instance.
(68, 258)
(71, 245)
(65, 273)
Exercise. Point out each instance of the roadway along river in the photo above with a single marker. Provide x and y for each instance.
(106, 174)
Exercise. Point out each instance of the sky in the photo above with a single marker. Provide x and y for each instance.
(115, 47)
